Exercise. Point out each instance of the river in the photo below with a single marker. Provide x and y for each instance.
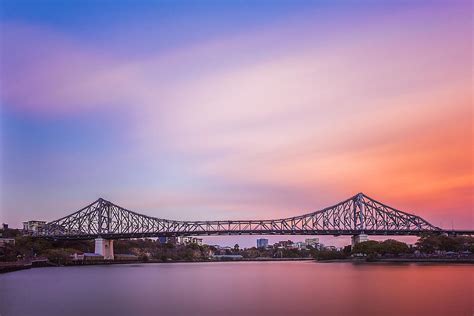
(240, 288)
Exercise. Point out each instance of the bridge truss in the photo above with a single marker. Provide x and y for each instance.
(359, 214)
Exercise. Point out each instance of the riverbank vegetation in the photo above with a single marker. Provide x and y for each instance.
(26, 248)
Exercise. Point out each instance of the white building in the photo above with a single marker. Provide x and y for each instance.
(33, 226)
(77, 256)
(189, 240)
(300, 245)
(312, 242)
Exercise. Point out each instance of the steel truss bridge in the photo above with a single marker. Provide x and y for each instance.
(357, 215)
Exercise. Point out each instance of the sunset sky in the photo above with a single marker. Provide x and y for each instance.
(236, 109)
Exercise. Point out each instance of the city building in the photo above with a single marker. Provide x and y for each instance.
(33, 226)
(78, 256)
(262, 243)
(300, 245)
(224, 250)
(312, 242)
(163, 240)
(191, 240)
(286, 244)
(186, 240)
(198, 241)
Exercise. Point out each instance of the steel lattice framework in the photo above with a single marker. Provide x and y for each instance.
(358, 215)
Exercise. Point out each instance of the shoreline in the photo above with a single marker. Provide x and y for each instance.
(402, 260)
(15, 266)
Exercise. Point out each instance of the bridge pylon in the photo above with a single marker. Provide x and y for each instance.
(358, 239)
(105, 248)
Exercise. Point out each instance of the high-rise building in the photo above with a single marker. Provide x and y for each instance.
(262, 243)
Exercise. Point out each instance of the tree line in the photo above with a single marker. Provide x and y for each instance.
(147, 249)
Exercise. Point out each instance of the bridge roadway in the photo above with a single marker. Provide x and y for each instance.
(335, 233)
(357, 216)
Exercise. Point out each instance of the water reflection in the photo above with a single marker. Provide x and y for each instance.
(244, 288)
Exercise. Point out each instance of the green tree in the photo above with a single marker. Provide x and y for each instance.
(60, 255)
(448, 243)
(8, 253)
(369, 247)
(347, 250)
(432, 243)
(329, 255)
(427, 244)
(394, 247)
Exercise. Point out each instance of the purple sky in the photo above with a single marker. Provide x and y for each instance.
(236, 110)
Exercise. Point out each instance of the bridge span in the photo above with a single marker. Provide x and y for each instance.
(357, 216)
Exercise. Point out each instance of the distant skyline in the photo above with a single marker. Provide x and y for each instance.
(236, 110)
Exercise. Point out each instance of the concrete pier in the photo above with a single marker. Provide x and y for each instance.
(105, 247)
(359, 238)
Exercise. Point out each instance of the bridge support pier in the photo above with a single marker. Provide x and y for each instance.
(105, 247)
(358, 239)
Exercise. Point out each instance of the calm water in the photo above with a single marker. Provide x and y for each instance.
(244, 288)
